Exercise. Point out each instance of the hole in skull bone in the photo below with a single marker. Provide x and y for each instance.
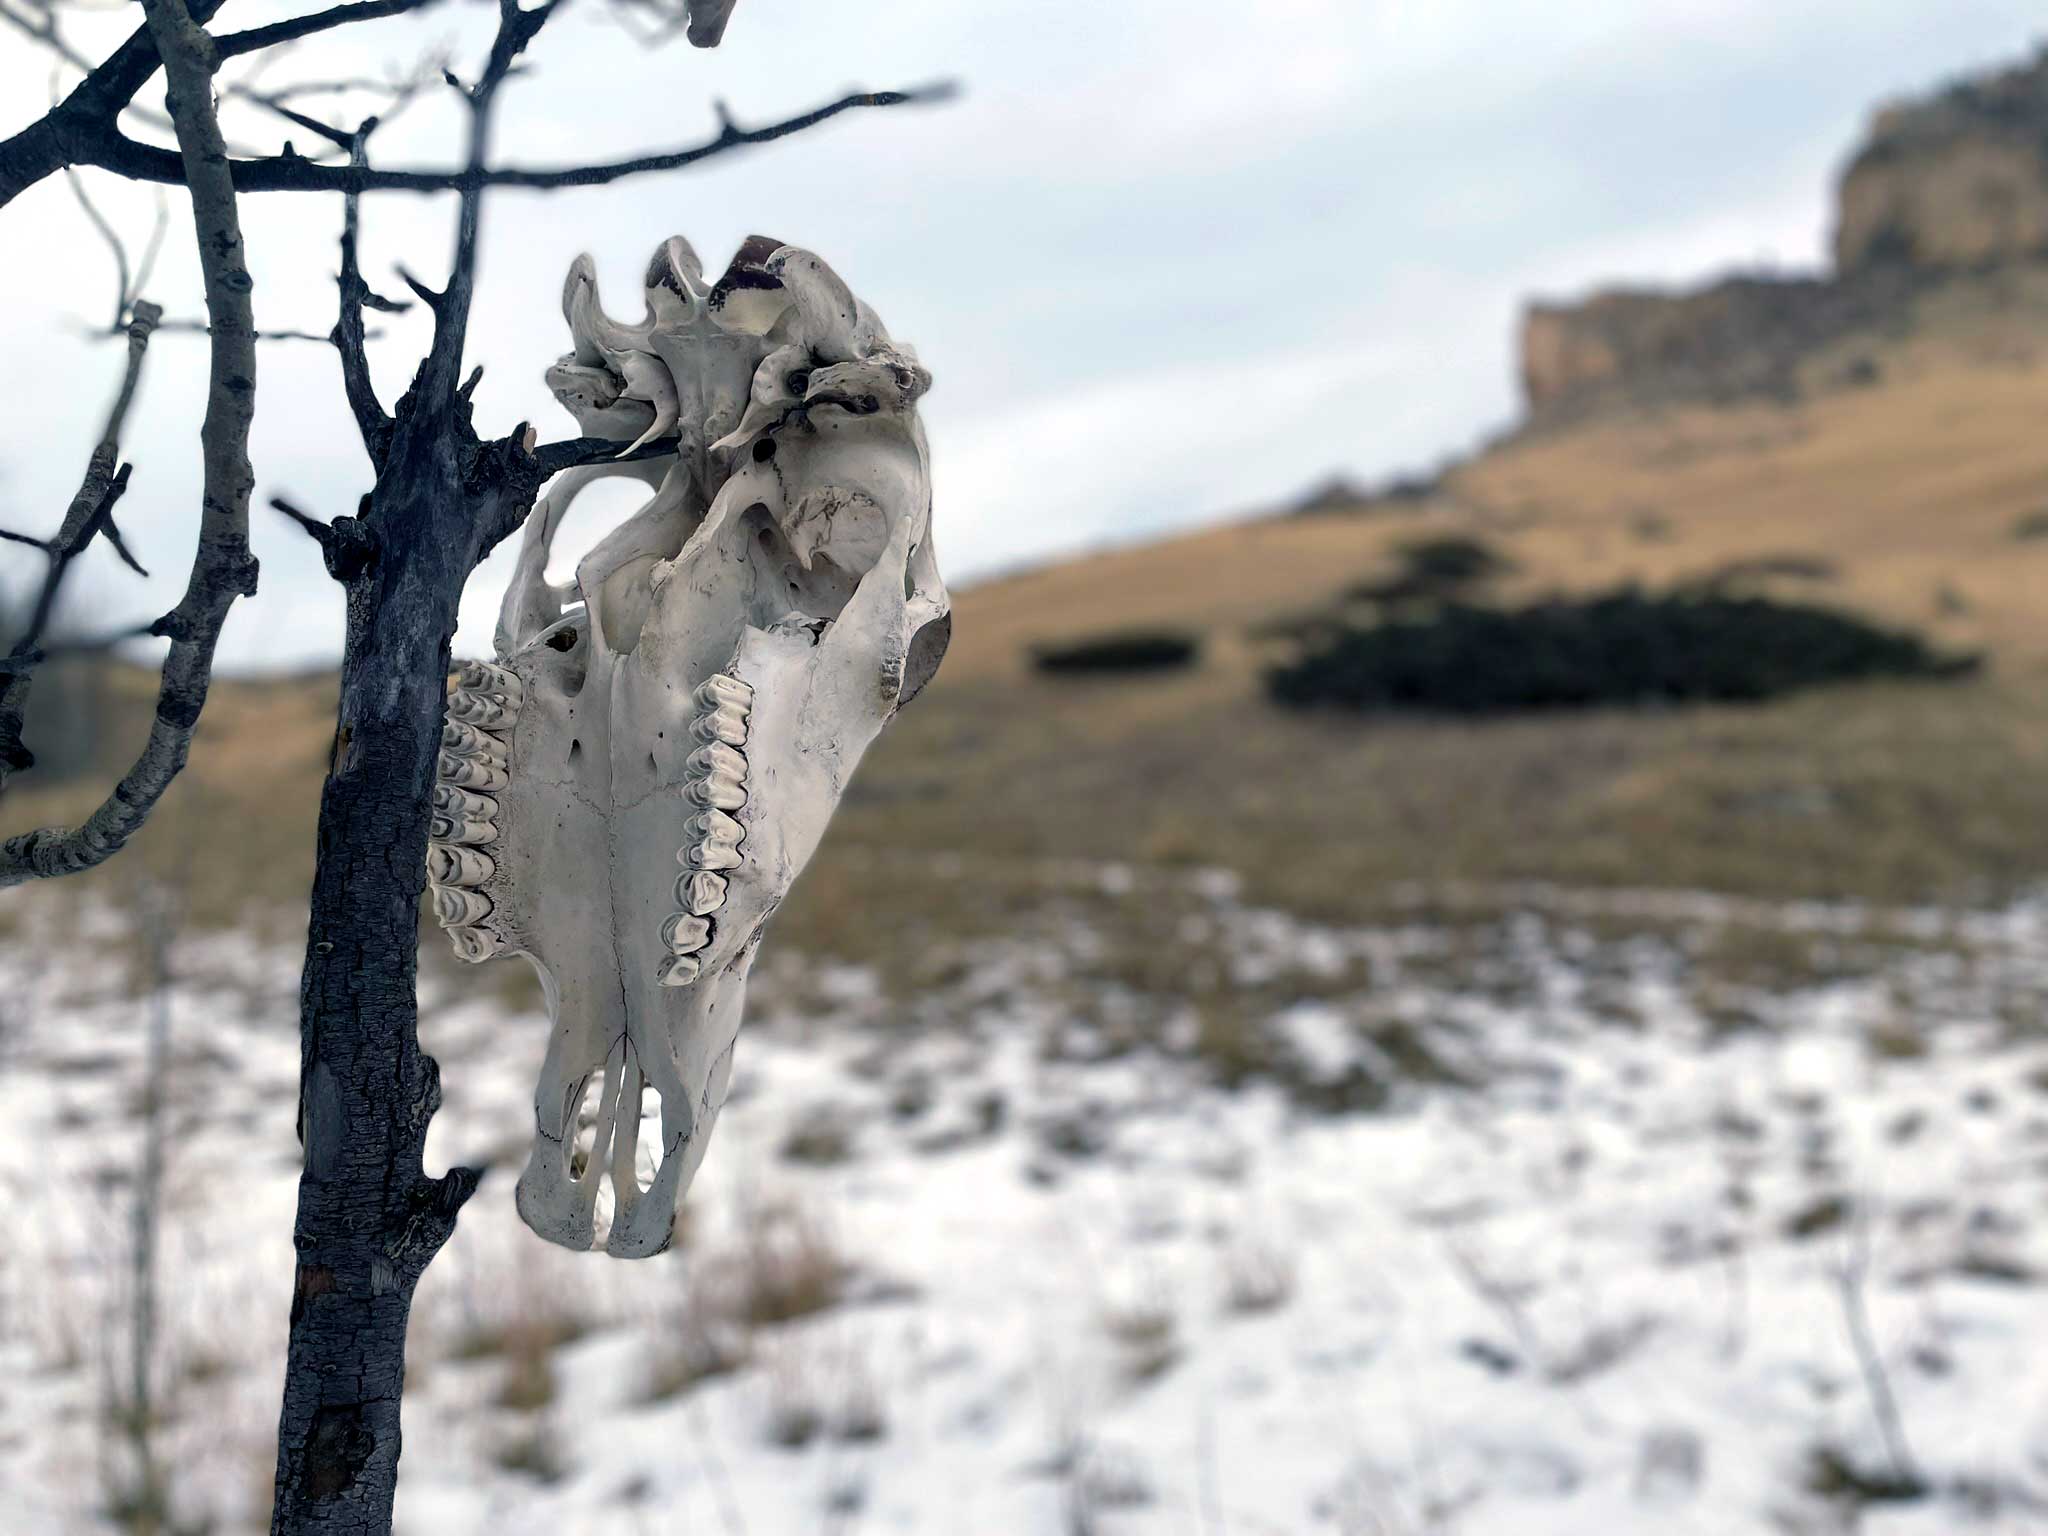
(599, 507)
(764, 450)
(649, 1145)
(579, 1119)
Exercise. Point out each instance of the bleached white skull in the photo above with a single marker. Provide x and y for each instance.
(628, 792)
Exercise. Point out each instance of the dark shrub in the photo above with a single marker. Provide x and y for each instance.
(1624, 647)
(1433, 569)
(2033, 526)
(1135, 650)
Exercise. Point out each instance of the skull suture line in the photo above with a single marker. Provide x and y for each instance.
(628, 792)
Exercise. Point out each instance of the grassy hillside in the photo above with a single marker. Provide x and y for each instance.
(1911, 471)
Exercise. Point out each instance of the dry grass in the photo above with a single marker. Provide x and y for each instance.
(1144, 1325)
(782, 1263)
(699, 1346)
(1258, 1274)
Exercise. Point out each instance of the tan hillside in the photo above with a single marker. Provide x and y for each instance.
(1909, 463)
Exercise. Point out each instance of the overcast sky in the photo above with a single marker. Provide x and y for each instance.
(1169, 260)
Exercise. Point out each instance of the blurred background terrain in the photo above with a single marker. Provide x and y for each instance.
(1513, 998)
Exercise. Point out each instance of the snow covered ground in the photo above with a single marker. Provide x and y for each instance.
(1513, 1227)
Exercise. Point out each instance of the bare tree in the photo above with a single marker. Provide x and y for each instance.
(369, 1219)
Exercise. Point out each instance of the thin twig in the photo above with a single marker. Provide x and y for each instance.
(88, 516)
(125, 288)
(372, 421)
(47, 34)
(1853, 1280)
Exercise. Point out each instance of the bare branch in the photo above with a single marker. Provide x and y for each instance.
(232, 44)
(88, 516)
(202, 328)
(517, 28)
(143, 162)
(273, 102)
(98, 520)
(87, 117)
(348, 336)
(572, 452)
(398, 94)
(346, 546)
(222, 568)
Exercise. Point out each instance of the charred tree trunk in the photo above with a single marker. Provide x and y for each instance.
(370, 1219)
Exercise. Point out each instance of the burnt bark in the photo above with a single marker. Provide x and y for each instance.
(369, 1217)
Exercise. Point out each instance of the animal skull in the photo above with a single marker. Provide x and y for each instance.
(628, 791)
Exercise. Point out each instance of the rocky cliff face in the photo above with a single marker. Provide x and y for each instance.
(1737, 337)
(1955, 183)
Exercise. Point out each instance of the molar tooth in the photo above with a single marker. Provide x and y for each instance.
(715, 827)
(678, 970)
(500, 683)
(468, 830)
(717, 758)
(453, 864)
(719, 689)
(463, 802)
(458, 908)
(726, 723)
(466, 740)
(478, 709)
(699, 892)
(473, 772)
(711, 856)
(685, 933)
(474, 944)
(720, 790)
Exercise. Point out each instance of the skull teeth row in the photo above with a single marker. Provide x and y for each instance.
(717, 786)
(483, 706)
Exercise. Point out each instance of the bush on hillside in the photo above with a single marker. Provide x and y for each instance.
(1432, 570)
(1620, 648)
(1131, 650)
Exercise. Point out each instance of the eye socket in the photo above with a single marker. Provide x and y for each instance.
(798, 382)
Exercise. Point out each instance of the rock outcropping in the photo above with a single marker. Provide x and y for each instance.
(1955, 183)
(1742, 336)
